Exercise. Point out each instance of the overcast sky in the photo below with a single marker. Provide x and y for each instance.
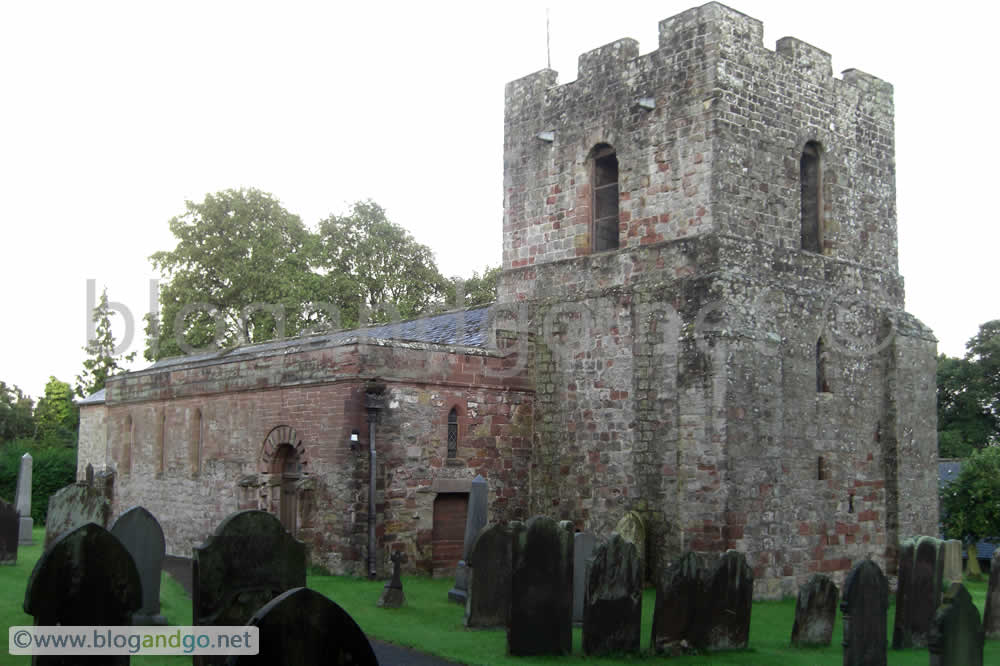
(114, 114)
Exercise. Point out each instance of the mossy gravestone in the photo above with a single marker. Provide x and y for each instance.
(678, 593)
(10, 528)
(632, 528)
(815, 612)
(612, 613)
(302, 627)
(488, 602)
(85, 578)
(541, 609)
(250, 560)
(142, 536)
(73, 506)
(918, 593)
(956, 635)
(865, 607)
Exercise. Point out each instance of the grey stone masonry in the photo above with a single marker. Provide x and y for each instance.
(75, 505)
(22, 500)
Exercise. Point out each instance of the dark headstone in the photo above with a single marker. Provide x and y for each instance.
(85, 578)
(488, 603)
(142, 535)
(918, 591)
(302, 627)
(392, 594)
(612, 616)
(541, 609)
(956, 636)
(249, 561)
(729, 601)
(679, 592)
(10, 528)
(815, 612)
(583, 548)
(73, 506)
(475, 520)
(991, 614)
(865, 607)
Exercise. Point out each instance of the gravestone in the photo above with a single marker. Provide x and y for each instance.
(918, 593)
(583, 548)
(541, 608)
(75, 505)
(392, 594)
(865, 606)
(956, 636)
(301, 627)
(612, 616)
(729, 601)
(815, 612)
(991, 613)
(475, 520)
(488, 603)
(10, 529)
(86, 577)
(89, 474)
(142, 536)
(632, 528)
(22, 501)
(972, 570)
(952, 571)
(249, 561)
(679, 592)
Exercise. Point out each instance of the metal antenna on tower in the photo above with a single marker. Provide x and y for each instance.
(548, 48)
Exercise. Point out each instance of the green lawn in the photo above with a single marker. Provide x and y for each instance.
(430, 623)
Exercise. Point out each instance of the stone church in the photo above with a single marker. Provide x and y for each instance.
(700, 318)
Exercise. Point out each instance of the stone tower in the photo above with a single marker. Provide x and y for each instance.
(702, 241)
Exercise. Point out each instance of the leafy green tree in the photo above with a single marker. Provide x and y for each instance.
(968, 391)
(16, 418)
(240, 273)
(970, 505)
(476, 290)
(102, 360)
(56, 415)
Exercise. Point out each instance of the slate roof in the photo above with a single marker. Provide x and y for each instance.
(95, 398)
(947, 472)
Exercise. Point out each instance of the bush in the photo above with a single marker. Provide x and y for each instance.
(52, 468)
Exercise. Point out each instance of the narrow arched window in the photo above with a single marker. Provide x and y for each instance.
(129, 444)
(821, 384)
(811, 197)
(195, 445)
(453, 433)
(604, 170)
(160, 445)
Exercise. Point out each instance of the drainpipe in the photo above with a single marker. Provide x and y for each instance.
(373, 403)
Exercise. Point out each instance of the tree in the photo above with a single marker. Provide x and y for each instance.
(102, 361)
(240, 273)
(16, 418)
(968, 391)
(970, 504)
(476, 290)
(57, 416)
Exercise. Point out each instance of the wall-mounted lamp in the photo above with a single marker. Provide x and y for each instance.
(354, 440)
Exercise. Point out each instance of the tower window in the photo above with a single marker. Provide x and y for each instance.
(605, 204)
(821, 384)
(811, 198)
(452, 433)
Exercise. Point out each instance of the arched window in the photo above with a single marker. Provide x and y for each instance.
(195, 445)
(604, 170)
(810, 181)
(453, 433)
(161, 453)
(129, 445)
(821, 384)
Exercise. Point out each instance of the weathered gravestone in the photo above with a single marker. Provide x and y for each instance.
(72, 506)
(22, 501)
(956, 636)
(729, 603)
(392, 594)
(541, 608)
(85, 578)
(815, 612)
(991, 614)
(10, 529)
(865, 606)
(142, 536)
(632, 528)
(249, 561)
(302, 627)
(918, 590)
(952, 569)
(679, 592)
(475, 520)
(972, 570)
(488, 603)
(583, 548)
(612, 616)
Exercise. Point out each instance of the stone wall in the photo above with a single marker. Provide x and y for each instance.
(92, 443)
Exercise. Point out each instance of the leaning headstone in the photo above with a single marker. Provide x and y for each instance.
(392, 594)
(952, 572)
(488, 603)
(679, 591)
(729, 601)
(10, 528)
(22, 501)
(956, 636)
(991, 615)
(815, 612)
(249, 561)
(475, 520)
(865, 606)
(541, 609)
(613, 613)
(73, 506)
(301, 626)
(583, 548)
(85, 578)
(918, 591)
(141, 534)
(633, 528)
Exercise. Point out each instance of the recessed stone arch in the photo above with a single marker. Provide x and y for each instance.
(279, 435)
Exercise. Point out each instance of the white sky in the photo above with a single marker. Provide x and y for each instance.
(112, 114)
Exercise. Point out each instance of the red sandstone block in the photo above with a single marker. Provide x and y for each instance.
(804, 528)
(868, 515)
